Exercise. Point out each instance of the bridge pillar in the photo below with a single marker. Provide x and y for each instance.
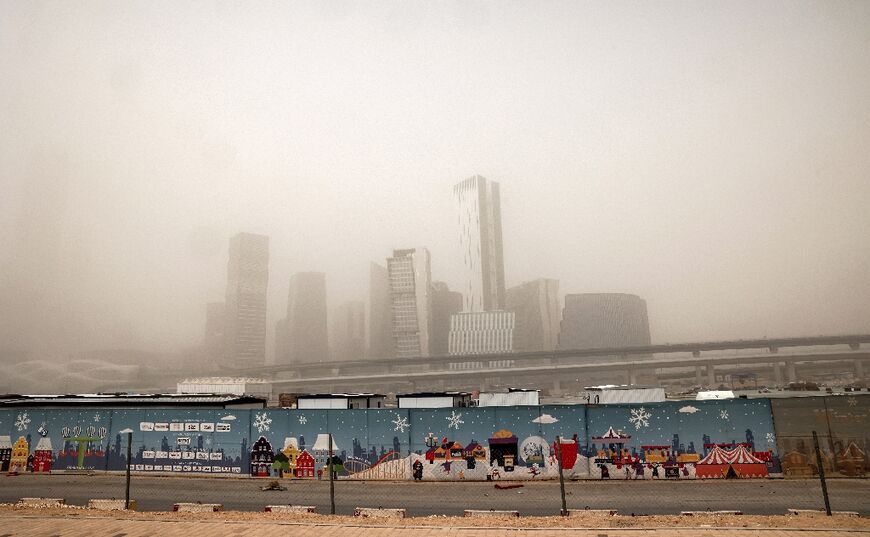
(859, 370)
(711, 375)
(790, 372)
(777, 373)
(557, 387)
(632, 376)
(699, 376)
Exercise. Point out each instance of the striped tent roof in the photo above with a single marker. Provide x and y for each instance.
(716, 456)
(741, 455)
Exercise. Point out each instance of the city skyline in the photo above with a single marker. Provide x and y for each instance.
(710, 159)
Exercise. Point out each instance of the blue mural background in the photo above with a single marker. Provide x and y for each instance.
(219, 440)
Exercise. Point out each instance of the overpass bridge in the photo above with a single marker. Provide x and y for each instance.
(552, 371)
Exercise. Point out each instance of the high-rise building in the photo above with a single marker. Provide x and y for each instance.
(479, 210)
(247, 282)
(379, 317)
(215, 321)
(348, 331)
(481, 332)
(603, 320)
(536, 307)
(302, 336)
(410, 282)
(444, 304)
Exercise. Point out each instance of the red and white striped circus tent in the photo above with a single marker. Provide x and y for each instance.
(723, 463)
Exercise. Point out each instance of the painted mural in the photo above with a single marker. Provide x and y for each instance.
(673, 440)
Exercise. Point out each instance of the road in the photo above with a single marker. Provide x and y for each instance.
(762, 497)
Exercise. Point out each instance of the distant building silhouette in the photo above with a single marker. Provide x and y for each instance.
(410, 281)
(536, 306)
(481, 332)
(478, 204)
(444, 304)
(302, 336)
(348, 331)
(379, 319)
(603, 320)
(483, 327)
(247, 282)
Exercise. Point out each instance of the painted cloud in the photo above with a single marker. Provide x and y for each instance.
(545, 418)
(689, 409)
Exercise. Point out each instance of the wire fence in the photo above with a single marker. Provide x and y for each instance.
(618, 484)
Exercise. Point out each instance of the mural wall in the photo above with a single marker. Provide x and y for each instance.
(673, 440)
(843, 427)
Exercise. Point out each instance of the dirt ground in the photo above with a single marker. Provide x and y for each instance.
(591, 520)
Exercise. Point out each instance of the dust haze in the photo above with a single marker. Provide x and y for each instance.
(712, 158)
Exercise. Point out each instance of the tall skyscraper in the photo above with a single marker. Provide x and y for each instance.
(379, 317)
(483, 327)
(536, 306)
(348, 331)
(603, 320)
(302, 336)
(215, 322)
(410, 281)
(444, 304)
(479, 210)
(247, 282)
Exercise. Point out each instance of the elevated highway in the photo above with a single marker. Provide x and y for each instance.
(779, 358)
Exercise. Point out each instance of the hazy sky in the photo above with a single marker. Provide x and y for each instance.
(711, 157)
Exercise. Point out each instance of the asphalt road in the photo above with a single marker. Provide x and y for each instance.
(763, 497)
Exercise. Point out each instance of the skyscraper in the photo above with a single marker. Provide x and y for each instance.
(536, 306)
(603, 320)
(348, 331)
(479, 211)
(302, 336)
(247, 282)
(410, 281)
(444, 304)
(483, 327)
(379, 317)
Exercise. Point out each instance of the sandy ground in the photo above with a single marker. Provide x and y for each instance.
(593, 520)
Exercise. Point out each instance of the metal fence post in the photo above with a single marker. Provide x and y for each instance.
(564, 511)
(330, 467)
(822, 473)
(129, 461)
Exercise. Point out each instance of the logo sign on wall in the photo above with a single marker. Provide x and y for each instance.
(146, 426)
(183, 440)
(190, 427)
(222, 427)
(161, 427)
(206, 427)
(176, 427)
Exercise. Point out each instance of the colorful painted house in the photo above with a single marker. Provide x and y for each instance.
(304, 465)
(20, 452)
(43, 455)
(795, 463)
(475, 451)
(851, 461)
(455, 451)
(502, 446)
(291, 451)
(5, 453)
(262, 458)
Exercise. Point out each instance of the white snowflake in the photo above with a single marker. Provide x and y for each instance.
(302, 420)
(22, 421)
(639, 417)
(454, 420)
(262, 422)
(770, 438)
(401, 423)
(723, 414)
(97, 417)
